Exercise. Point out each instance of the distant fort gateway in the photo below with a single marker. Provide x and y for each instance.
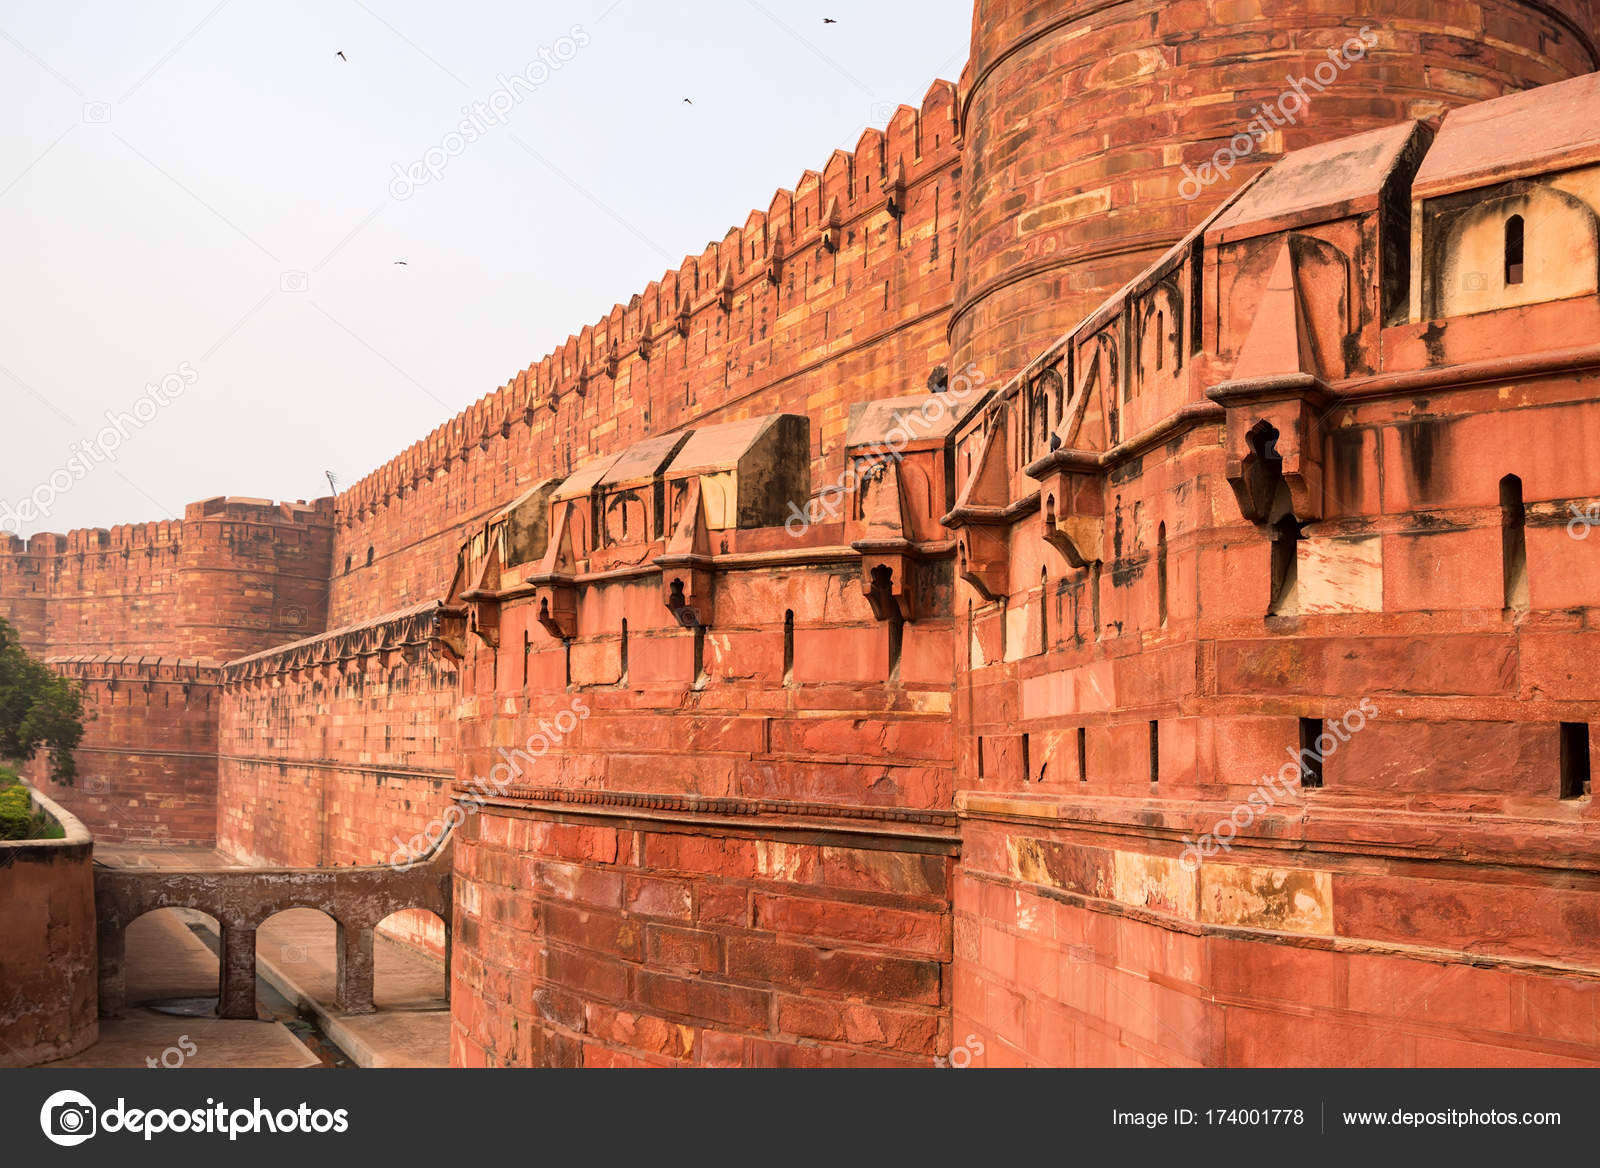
(941, 774)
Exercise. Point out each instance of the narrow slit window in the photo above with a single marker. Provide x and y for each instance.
(1310, 755)
(1574, 760)
(1161, 332)
(1094, 597)
(1161, 574)
(1155, 752)
(1027, 761)
(896, 640)
(622, 655)
(1286, 536)
(700, 677)
(1513, 543)
(1083, 754)
(1514, 250)
(788, 647)
(1044, 610)
(980, 756)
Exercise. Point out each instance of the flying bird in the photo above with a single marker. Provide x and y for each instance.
(400, 263)
(829, 20)
(341, 56)
(686, 101)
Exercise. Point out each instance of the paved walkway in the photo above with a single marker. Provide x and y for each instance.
(295, 953)
(169, 963)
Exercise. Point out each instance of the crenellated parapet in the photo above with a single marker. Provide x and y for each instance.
(875, 185)
(121, 671)
(864, 243)
(233, 575)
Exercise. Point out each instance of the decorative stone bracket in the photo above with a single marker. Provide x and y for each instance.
(1072, 504)
(982, 519)
(449, 634)
(895, 190)
(885, 580)
(686, 565)
(887, 551)
(482, 599)
(832, 225)
(555, 593)
(1274, 439)
(983, 559)
(775, 261)
(1275, 400)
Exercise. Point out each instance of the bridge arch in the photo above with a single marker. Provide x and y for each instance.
(241, 899)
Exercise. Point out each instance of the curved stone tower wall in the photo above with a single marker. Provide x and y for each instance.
(1087, 125)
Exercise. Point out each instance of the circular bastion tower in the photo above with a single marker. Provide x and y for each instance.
(1098, 133)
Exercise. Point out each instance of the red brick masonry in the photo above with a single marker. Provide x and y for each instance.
(1021, 599)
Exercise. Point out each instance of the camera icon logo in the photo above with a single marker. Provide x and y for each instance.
(68, 1118)
(294, 282)
(883, 111)
(97, 112)
(1474, 281)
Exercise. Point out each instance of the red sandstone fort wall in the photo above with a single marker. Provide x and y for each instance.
(599, 944)
(851, 839)
(771, 318)
(337, 750)
(1423, 903)
(751, 869)
(147, 766)
(143, 616)
(233, 576)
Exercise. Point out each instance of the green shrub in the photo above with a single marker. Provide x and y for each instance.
(16, 814)
(18, 819)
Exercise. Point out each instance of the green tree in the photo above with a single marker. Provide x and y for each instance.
(38, 708)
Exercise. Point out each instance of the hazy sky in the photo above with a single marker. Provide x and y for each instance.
(205, 195)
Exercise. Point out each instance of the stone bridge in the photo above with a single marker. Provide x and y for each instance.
(241, 899)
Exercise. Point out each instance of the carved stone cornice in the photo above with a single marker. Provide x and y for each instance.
(406, 634)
